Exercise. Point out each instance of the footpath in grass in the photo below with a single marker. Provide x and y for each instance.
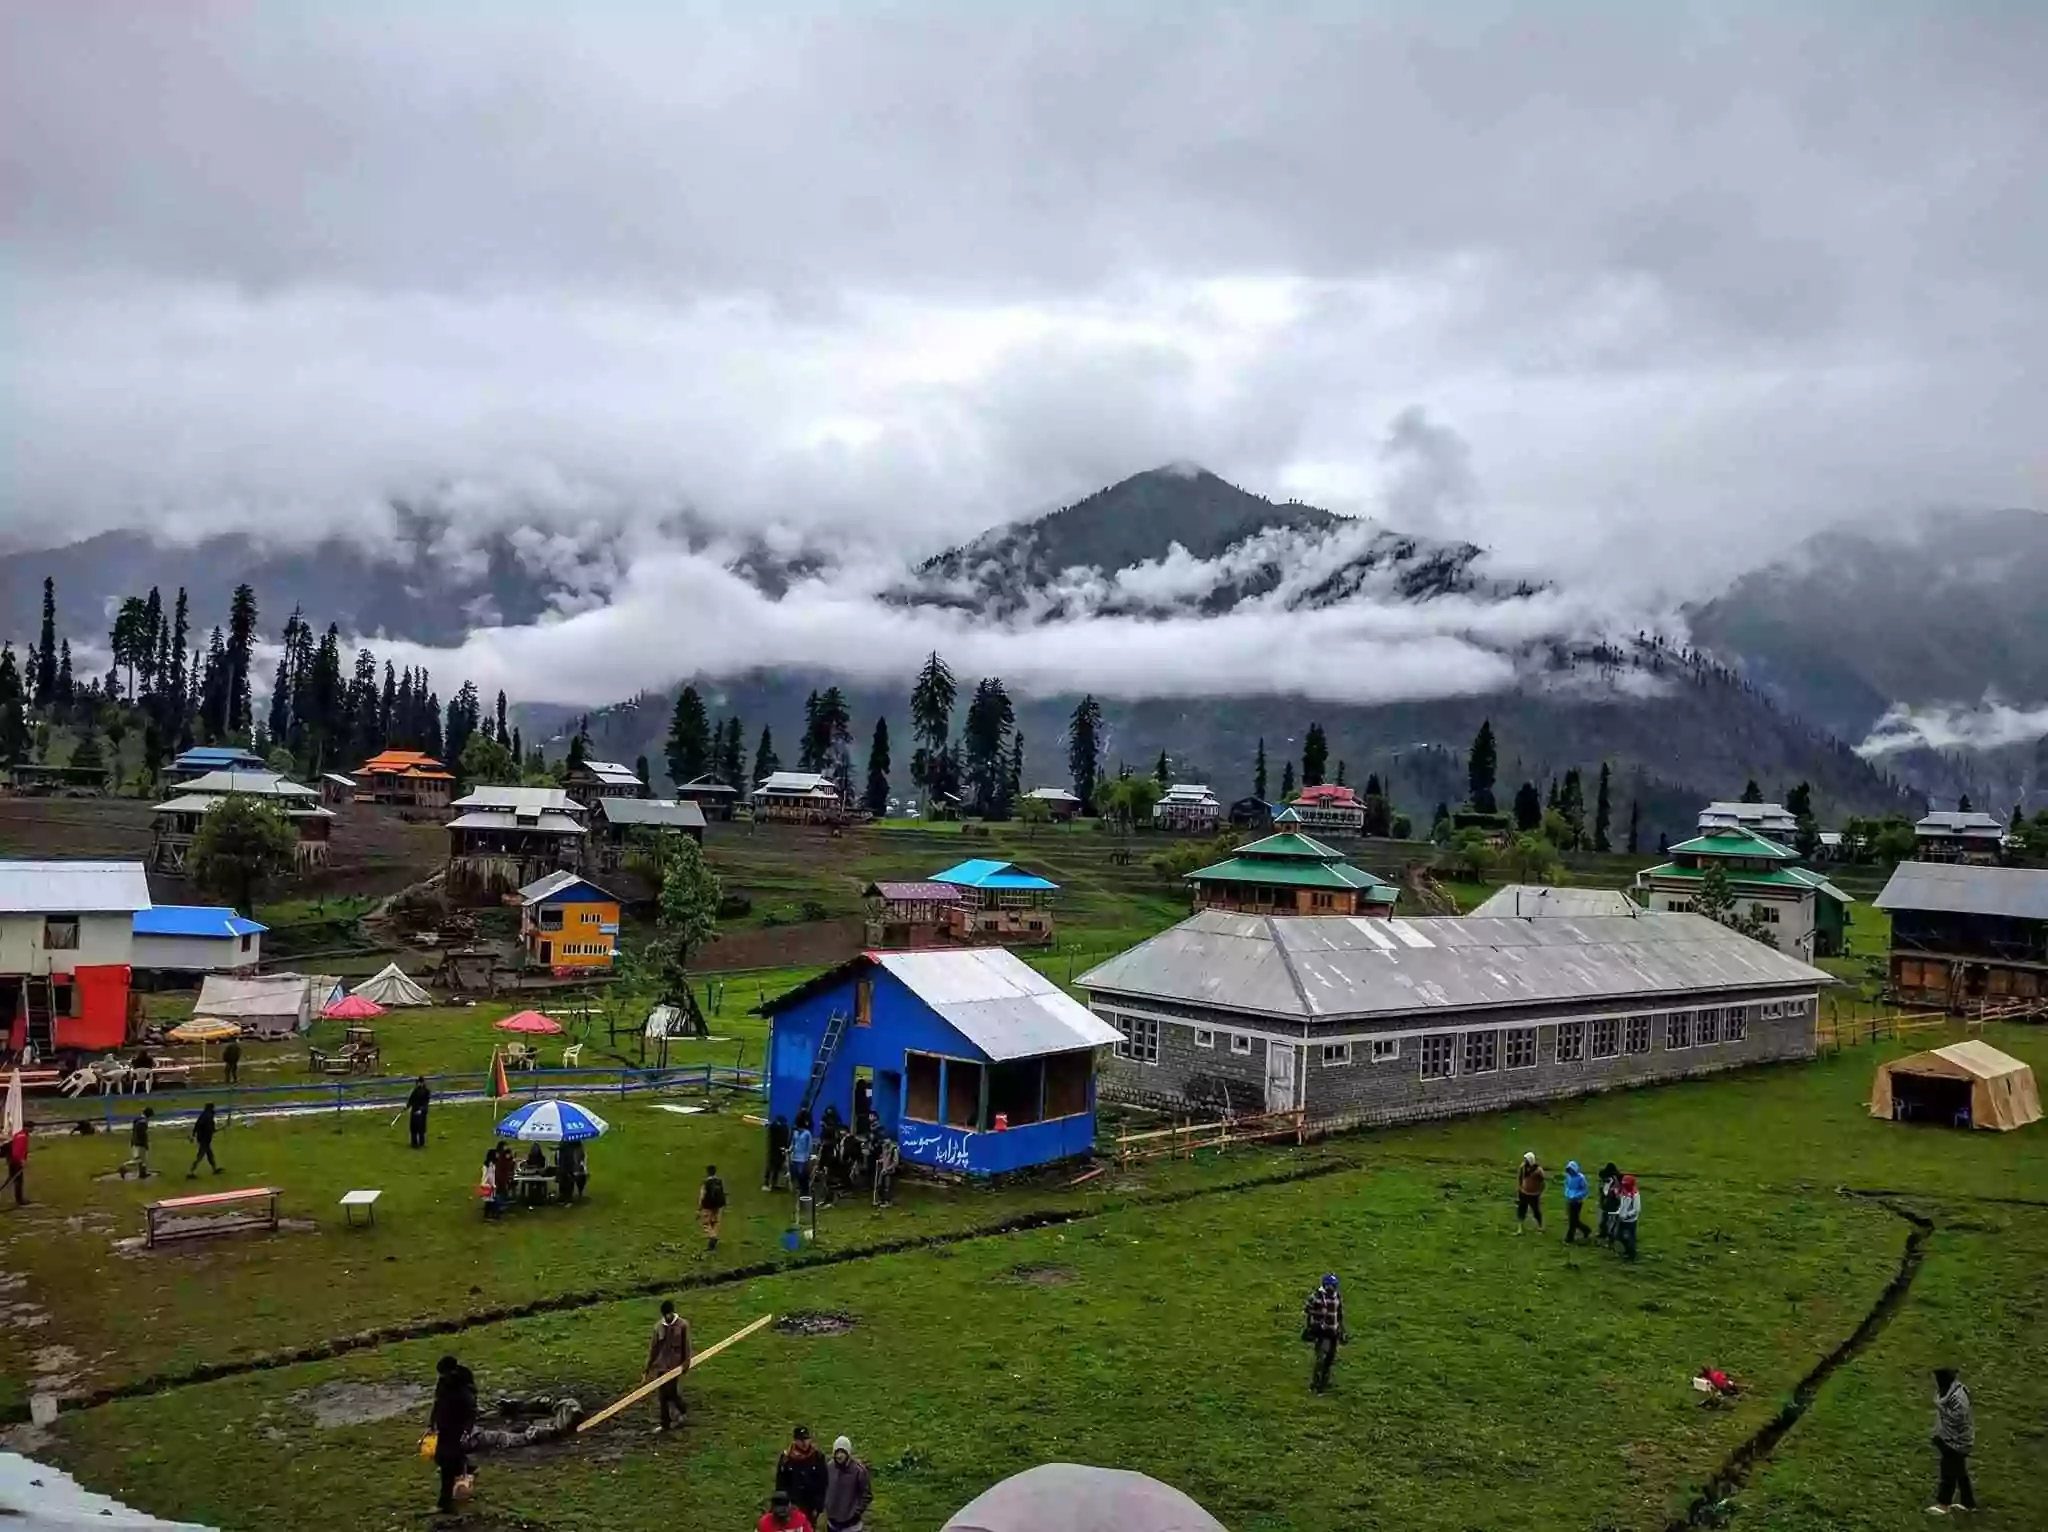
(1493, 1381)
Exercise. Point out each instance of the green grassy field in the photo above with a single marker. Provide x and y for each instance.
(1493, 1381)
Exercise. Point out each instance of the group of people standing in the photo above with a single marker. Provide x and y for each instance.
(835, 1156)
(1620, 1207)
(815, 1491)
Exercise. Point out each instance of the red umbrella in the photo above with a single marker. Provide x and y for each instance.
(531, 1022)
(353, 1008)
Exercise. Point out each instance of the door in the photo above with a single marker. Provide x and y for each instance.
(888, 1099)
(1280, 1060)
(547, 954)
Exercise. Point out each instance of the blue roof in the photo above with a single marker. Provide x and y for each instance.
(194, 920)
(980, 872)
(216, 755)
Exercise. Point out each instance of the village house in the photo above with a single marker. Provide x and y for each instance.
(1968, 939)
(404, 779)
(1360, 1021)
(617, 824)
(67, 948)
(798, 797)
(1291, 874)
(588, 781)
(30, 780)
(908, 914)
(178, 818)
(715, 799)
(1328, 809)
(1060, 804)
(568, 924)
(1805, 914)
(175, 941)
(1536, 901)
(974, 1062)
(1187, 808)
(998, 902)
(505, 837)
(1769, 819)
(202, 759)
(1960, 835)
(1252, 813)
(336, 790)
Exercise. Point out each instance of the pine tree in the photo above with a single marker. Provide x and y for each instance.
(1603, 809)
(1084, 751)
(14, 731)
(1343, 773)
(931, 725)
(876, 798)
(1571, 804)
(1162, 773)
(67, 688)
(503, 737)
(985, 747)
(46, 648)
(1286, 781)
(1481, 767)
(644, 770)
(1635, 825)
(1259, 771)
(766, 761)
(732, 760)
(688, 751)
(809, 757)
(241, 648)
(1751, 793)
(1963, 804)
(1528, 808)
(1315, 756)
(1015, 784)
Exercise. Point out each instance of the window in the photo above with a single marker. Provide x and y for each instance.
(245, 944)
(863, 1001)
(1606, 1037)
(921, 1086)
(1482, 1052)
(1735, 1024)
(1141, 1040)
(1770, 1010)
(1385, 1049)
(551, 918)
(1204, 1038)
(1320, 901)
(1767, 913)
(1636, 1035)
(1707, 1030)
(1571, 1042)
(63, 997)
(1678, 1030)
(1336, 1055)
(1520, 1047)
(1437, 1053)
(1240, 1044)
(1679, 906)
(963, 1093)
(60, 933)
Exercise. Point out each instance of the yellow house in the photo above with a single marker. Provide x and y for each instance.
(568, 922)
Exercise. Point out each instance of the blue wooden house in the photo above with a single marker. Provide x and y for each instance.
(978, 1063)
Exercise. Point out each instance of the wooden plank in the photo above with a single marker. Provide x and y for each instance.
(671, 1375)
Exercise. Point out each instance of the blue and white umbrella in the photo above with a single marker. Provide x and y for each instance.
(552, 1122)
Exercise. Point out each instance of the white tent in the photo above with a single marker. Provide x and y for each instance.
(1076, 1498)
(267, 1005)
(390, 987)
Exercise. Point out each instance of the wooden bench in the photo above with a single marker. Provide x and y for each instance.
(206, 1202)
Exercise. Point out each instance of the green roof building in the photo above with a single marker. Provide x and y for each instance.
(1291, 874)
(1806, 915)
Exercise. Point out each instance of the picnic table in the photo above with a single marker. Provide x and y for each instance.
(533, 1186)
(364, 1198)
(156, 1213)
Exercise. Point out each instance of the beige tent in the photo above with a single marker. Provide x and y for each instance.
(1970, 1084)
(390, 987)
(262, 1005)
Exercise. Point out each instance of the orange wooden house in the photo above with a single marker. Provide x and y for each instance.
(406, 779)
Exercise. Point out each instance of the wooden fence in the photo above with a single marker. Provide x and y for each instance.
(1185, 1140)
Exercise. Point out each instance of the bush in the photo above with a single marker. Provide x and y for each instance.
(735, 907)
(813, 910)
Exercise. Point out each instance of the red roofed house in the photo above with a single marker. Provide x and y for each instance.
(1328, 809)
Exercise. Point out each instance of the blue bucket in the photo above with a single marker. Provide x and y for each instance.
(792, 1239)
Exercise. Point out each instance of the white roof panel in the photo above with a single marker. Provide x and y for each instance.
(528, 800)
(72, 888)
(998, 1002)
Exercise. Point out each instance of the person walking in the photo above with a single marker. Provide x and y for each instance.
(1626, 1214)
(783, 1516)
(710, 1205)
(670, 1350)
(1322, 1326)
(887, 1157)
(800, 1147)
(231, 1061)
(453, 1417)
(1575, 1190)
(1529, 1192)
(138, 1145)
(1955, 1435)
(778, 1153)
(800, 1473)
(202, 1135)
(416, 1103)
(17, 1166)
(847, 1490)
(1610, 1201)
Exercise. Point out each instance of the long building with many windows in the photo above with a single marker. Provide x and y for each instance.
(1358, 1020)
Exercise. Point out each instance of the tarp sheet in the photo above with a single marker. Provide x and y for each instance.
(2003, 1093)
(268, 1005)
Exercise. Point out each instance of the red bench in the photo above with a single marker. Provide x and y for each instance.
(206, 1202)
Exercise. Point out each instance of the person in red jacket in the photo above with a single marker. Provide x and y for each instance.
(783, 1517)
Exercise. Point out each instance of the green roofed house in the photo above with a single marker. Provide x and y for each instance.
(1291, 874)
(1805, 914)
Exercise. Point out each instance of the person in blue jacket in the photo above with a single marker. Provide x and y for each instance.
(1575, 1190)
(800, 1148)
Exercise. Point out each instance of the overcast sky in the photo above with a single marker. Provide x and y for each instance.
(1656, 288)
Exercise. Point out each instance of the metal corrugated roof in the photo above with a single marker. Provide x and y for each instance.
(508, 819)
(1301, 872)
(209, 920)
(1968, 822)
(998, 1002)
(292, 807)
(798, 782)
(665, 813)
(2020, 893)
(525, 800)
(982, 872)
(555, 882)
(72, 888)
(1329, 968)
(1527, 901)
(613, 772)
(258, 784)
(1052, 795)
(915, 892)
(1737, 841)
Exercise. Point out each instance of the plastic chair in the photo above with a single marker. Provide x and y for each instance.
(571, 1055)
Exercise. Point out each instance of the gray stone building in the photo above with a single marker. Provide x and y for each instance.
(1360, 1020)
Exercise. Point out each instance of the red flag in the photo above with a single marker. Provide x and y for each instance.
(499, 1086)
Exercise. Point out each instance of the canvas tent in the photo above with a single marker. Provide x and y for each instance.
(267, 1005)
(1076, 1498)
(390, 987)
(1970, 1084)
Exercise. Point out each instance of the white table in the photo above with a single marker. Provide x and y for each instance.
(366, 1199)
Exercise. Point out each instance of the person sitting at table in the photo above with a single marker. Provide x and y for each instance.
(534, 1169)
(504, 1171)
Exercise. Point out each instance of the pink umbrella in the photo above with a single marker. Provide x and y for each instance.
(532, 1022)
(353, 1008)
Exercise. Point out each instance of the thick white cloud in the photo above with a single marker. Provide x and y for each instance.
(1988, 725)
